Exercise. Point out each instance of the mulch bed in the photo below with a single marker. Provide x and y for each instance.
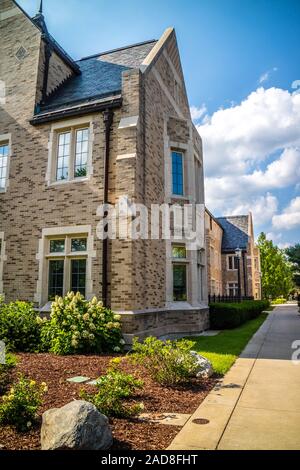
(128, 433)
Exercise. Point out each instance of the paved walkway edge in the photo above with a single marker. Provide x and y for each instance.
(220, 403)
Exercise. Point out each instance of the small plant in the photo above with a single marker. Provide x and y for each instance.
(5, 372)
(19, 328)
(279, 301)
(169, 362)
(81, 326)
(19, 406)
(113, 390)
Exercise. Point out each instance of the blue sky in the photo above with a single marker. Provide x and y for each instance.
(240, 59)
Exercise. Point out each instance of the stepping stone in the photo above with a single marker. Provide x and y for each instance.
(172, 419)
(78, 380)
(92, 382)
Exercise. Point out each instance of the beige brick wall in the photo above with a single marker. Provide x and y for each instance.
(59, 72)
(213, 235)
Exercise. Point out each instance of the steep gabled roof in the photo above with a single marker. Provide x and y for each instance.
(236, 232)
(101, 76)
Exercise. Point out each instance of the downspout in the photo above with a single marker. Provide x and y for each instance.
(108, 119)
(245, 276)
(48, 53)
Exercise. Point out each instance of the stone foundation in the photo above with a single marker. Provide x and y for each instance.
(164, 323)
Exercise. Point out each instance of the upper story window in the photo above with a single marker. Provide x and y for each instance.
(177, 174)
(4, 161)
(72, 154)
(232, 263)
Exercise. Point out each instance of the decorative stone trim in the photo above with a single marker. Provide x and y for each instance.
(6, 138)
(164, 323)
(126, 156)
(3, 258)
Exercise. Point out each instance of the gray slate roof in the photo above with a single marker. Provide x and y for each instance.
(101, 76)
(235, 232)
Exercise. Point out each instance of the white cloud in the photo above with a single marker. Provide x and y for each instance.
(238, 138)
(198, 113)
(282, 246)
(290, 217)
(264, 77)
(252, 149)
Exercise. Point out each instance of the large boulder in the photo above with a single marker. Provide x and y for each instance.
(204, 367)
(77, 425)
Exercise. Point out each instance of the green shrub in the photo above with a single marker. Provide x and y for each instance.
(279, 301)
(19, 328)
(169, 362)
(5, 372)
(231, 315)
(80, 326)
(114, 389)
(19, 406)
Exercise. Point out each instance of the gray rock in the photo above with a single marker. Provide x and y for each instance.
(77, 425)
(204, 367)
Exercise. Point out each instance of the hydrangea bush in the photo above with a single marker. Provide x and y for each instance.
(18, 326)
(77, 325)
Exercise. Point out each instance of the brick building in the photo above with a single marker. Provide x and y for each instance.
(75, 135)
(224, 236)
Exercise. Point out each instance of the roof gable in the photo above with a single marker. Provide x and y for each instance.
(236, 232)
(100, 77)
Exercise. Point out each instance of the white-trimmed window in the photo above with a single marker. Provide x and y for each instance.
(177, 173)
(201, 273)
(65, 262)
(232, 263)
(4, 161)
(67, 259)
(232, 289)
(180, 273)
(70, 157)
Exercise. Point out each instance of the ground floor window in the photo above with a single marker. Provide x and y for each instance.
(179, 282)
(67, 260)
(232, 289)
(180, 265)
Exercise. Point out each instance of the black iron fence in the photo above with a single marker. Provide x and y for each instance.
(227, 298)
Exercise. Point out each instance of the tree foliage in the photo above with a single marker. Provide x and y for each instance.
(277, 273)
(293, 254)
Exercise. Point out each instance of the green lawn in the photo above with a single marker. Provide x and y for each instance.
(223, 349)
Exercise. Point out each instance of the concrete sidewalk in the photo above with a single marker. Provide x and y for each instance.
(257, 404)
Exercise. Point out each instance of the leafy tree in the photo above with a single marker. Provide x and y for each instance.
(293, 254)
(277, 274)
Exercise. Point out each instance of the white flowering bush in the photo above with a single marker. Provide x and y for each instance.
(77, 325)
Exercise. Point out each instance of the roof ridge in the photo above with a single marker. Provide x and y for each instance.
(118, 49)
(232, 216)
